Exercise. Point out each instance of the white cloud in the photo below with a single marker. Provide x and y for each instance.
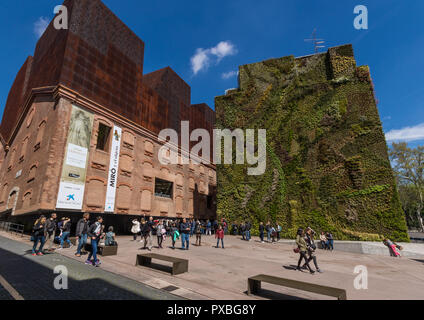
(40, 26)
(202, 58)
(228, 75)
(406, 134)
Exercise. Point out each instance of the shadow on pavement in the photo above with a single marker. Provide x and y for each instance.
(35, 281)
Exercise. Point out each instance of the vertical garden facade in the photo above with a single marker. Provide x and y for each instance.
(327, 159)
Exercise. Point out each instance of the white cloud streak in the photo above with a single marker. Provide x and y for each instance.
(413, 133)
(202, 59)
(228, 75)
(40, 26)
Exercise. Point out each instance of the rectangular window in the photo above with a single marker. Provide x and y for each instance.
(163, 188)
(103, 137)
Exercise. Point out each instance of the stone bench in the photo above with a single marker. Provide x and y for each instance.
(102, 250)
(254, 285)
(178, 265)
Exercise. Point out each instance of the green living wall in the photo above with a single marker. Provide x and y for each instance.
(327, 160)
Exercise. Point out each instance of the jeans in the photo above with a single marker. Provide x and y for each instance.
(65, 237)
(222, 243)
(37, 239)
(248, 235)
(185, 239)
(330, 244)
(261, 235)
(93, 252)
(268, 236)
(160, 240)
(82, 240)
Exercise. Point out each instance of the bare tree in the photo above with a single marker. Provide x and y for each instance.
(408, 165)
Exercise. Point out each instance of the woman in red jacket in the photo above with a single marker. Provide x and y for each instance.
(219, 235)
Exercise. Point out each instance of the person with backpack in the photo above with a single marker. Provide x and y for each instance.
(219, 235)
(95, 233)
(50, 231)
(38, 232)
(82, 232)
(65, 231)
(198, 231)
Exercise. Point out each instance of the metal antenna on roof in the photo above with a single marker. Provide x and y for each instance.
(318, 43)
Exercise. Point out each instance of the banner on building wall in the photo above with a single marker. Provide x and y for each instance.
(72, 180)
(113, 170)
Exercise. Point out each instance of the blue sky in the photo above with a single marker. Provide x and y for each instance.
(234, 32)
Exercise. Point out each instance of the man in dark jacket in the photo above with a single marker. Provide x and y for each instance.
(261, 231)
(185, 233)
(146, 233)
(95, 233)
(50, 231)
(82, 232)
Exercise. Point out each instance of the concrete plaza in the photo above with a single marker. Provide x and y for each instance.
(222, 273)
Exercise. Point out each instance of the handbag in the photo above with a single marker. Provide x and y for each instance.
(296, 250)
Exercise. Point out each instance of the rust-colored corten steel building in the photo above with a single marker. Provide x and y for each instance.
(80, 126)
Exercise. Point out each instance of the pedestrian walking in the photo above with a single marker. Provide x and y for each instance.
(302, 249)
(38, 231)
(95, 233)
(219, 235)
(160, 233)
(146, 234)
(311, 248)
(50, 231)
(198, 231)
(82, 232)
(65, 231)
(174, 234)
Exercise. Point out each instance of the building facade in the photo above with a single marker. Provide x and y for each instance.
(81, 123)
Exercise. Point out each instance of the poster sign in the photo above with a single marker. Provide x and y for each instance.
(113, 169)
(72, 181)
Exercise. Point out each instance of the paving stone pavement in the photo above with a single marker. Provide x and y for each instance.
(33, 278)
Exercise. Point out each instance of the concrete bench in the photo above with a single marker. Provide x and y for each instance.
(254, 285)
(104, 251)
(178, 265)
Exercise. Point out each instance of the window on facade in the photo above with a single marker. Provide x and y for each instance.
(24, 148)
(12, 159)
(163, 188)
(103, 137)
(40, 135)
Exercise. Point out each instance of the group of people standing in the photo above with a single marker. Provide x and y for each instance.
(175, 229)
(45, 230)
